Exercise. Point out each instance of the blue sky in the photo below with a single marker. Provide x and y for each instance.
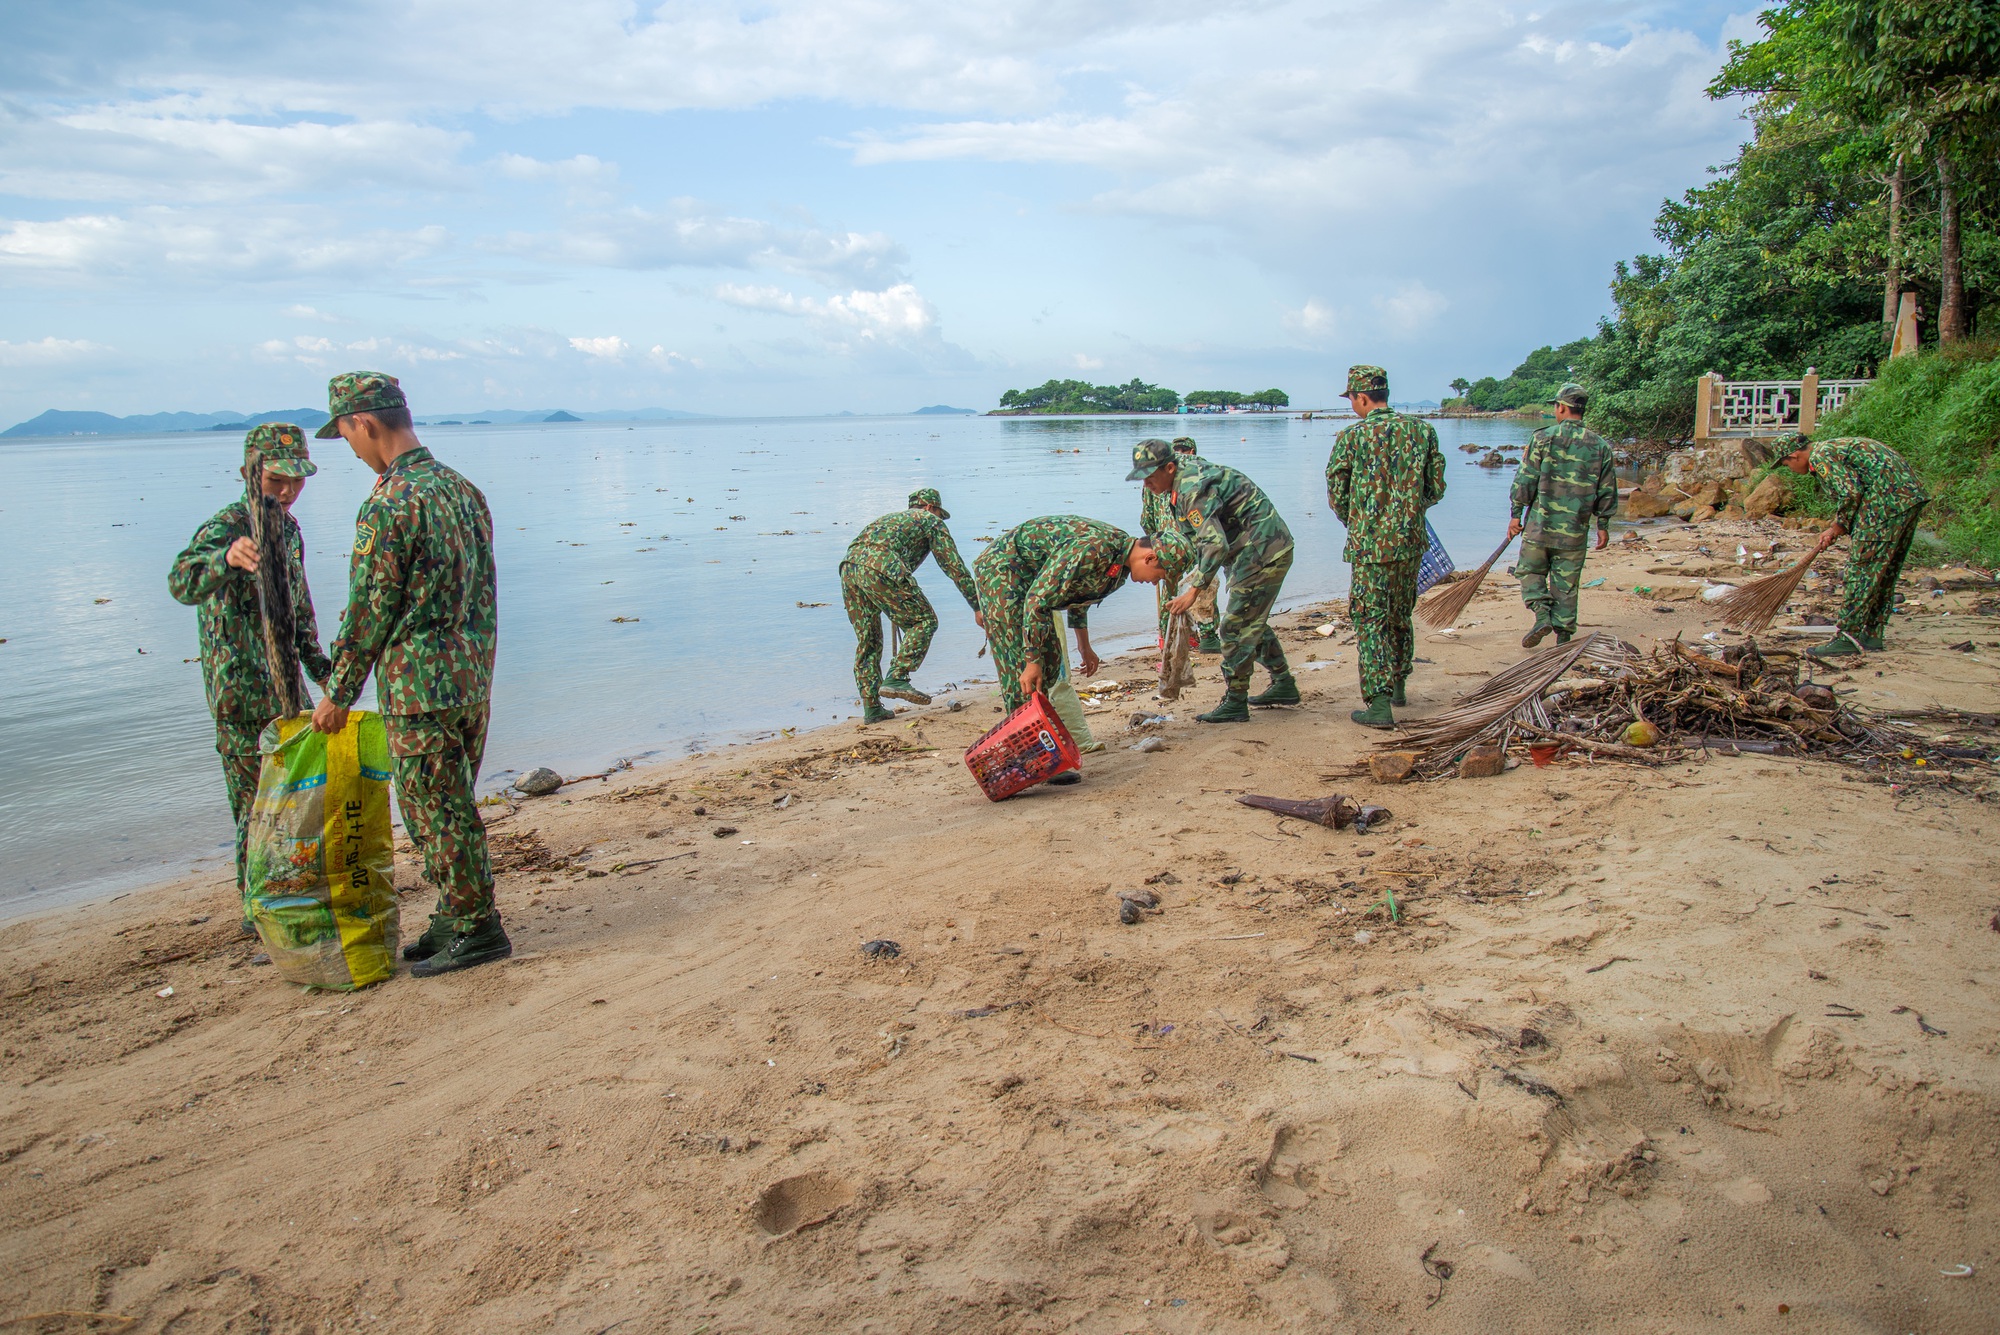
(868, 205)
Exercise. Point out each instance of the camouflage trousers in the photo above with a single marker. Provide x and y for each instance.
(1247, 637)
(1380, 603)
(1549, 579)
(236, 743)
(436, 762)
(868, 595)
(1003, 587)
(1876, 552)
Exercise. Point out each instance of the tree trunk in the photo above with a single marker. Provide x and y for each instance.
(1892, 275)
(1951, 271)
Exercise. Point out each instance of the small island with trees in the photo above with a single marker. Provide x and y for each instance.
(1136, 396)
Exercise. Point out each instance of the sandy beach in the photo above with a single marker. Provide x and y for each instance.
(1701, 1046)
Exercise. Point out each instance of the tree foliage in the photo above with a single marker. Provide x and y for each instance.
(1534, 381)
(1080, 396)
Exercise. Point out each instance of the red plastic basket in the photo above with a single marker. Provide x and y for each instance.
(1025, 748)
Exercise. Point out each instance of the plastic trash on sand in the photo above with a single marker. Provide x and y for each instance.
(320, 866)
(1027, 747)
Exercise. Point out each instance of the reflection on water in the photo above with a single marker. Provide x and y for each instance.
(704, 536)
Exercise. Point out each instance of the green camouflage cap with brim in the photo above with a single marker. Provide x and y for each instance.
(1148, 456)
(1176, 554)
(929, 496)
(1366, 380)
(1572, 395)
(1185, 445)
(1791, 443)
(283, 446)
(359, 392)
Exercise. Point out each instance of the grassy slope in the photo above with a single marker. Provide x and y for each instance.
(1941, 411)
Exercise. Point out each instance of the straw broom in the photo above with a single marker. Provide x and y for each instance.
(1442, 607)
(1750, 607)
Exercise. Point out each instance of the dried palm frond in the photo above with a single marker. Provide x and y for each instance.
(275, 609)
(1513, 694)
(1441, 607)
(1752, 604)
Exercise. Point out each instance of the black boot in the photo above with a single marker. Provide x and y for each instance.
(1284, 690)
(436, 936)
(485, 943)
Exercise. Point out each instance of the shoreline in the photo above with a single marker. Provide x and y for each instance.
(1633, 1042)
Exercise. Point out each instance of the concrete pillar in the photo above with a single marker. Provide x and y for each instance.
(1704, 406)
(1809, 401)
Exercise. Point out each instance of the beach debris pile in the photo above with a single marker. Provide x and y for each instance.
(1601, 697)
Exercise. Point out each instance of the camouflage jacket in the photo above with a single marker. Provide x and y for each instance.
(1867, 478)
(1067, 562)
(233, 669)
(1567, 479)
(1384, 472)
(1226, 516)
(421, 605)
(896, 544)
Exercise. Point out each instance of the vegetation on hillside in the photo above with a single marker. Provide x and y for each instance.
(1873, 169)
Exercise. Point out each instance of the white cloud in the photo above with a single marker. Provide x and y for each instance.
(900, 312)
(185, 149)
(1315, 319)
(168, 246)
(299, 312)
(691, 234)
(1409, 309)
(609, 348)
(50, 352)
(1085, 362)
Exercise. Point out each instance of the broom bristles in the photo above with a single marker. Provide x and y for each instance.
(1750, 607)
(1441, 607)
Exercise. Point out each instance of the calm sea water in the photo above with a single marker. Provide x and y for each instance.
(705, 535)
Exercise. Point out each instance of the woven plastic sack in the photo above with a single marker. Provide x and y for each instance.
(1027, 747)
(319, 870)
(1435, 564)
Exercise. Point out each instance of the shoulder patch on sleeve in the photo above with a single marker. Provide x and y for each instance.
(364, 539)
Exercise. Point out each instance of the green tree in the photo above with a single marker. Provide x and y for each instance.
(1459, 386)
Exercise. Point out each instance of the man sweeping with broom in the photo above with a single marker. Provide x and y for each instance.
(219, 575)
(1878, 498)
(1567, 478)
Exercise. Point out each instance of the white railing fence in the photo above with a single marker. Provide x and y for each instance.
(1746, 409)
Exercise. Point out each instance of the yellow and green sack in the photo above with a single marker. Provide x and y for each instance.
(319, 871)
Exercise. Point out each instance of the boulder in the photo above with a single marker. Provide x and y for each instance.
(538, 782)
(1703, 514)
(1391, 766)
(1643, 504)
(1482, 762)
(1771, 495)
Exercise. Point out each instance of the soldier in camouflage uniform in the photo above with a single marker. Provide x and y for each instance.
(1156, 514)
(1059, 561)
(422, 615)
(1229, 519)
(876, 580)
(1878, 498)
(1383, 473)
(1567, 479)
(217, 575)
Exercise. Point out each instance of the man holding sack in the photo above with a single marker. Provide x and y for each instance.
(217, 574)
(422, 615)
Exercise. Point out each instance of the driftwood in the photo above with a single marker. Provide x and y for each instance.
(1335, 811)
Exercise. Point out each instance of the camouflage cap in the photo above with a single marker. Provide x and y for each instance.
(1184, 445)
(1176, 554)
(359, 392)
(929, 496)
(1791, 443)
(1366, 380)
(283, 447)
(1148, 456)
(1573, 395)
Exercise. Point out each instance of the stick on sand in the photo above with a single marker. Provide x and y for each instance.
(1442, 607)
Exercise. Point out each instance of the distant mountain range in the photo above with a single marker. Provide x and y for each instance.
(62, 422)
